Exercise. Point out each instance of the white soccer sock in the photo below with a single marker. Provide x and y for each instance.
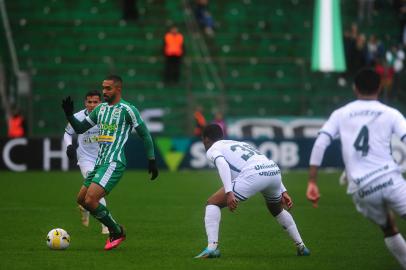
(286, 221)
(212, 223)
(103, 201)
(397, 246)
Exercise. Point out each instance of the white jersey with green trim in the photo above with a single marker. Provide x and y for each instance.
(88, 146)
(365, 128)
(243, 158)
(115, 123)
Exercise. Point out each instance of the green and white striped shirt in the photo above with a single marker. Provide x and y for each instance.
(115, 123)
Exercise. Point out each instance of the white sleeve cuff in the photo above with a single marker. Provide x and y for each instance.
(225, 173)
(67, 139)
(283, 188)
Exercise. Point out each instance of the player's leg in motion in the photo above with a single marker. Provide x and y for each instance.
(212, 223)
(104, 230)
(85, 216)
(86, 168)
(387, 193)
(89, 198)
(272, 195)
(285, 219)
(394, 241)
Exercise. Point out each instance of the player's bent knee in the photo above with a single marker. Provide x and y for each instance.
(274, 208)
(390, 229)
(90, 202)
(216, 204)
(80, 200)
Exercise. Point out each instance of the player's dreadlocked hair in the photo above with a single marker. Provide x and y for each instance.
(115, 78)
(213, 132)
(93, 93)
(367, 81)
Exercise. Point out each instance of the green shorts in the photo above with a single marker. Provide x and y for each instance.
(107, 175)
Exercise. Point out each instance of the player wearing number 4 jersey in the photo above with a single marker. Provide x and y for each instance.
(365, 127)
(116, 119)
(244, 172)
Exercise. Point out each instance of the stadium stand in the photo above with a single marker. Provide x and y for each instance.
(257, 63)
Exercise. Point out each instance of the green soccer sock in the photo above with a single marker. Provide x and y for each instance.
(102, 214)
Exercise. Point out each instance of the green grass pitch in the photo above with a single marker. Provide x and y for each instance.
(164, 221)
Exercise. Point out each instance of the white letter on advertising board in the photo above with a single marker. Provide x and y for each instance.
(50, 154)
(6, 155)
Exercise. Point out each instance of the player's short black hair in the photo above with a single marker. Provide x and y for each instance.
(213, 131)
(93, 93)
(115, 78)
(367, 81)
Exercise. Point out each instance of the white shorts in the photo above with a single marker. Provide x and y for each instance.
(375, 200)
(269, 184)
(85, 167)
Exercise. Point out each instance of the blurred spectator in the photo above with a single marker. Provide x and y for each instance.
(200, 121)
(16, 124)
(402, 14)
(359, 55)
(350, 47)
(130, 10)
(395, 57)
(204, 17)
(219, 120)
(355, 52)
(386, 72)
(174, 50)
(375, 50)
(365, 9)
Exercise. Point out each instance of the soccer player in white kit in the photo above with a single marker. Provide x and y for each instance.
(365, 127)
(88, 147)
(244, 172)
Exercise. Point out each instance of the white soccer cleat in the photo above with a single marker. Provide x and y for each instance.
(343, 179)
(105, 230)
(84, 216)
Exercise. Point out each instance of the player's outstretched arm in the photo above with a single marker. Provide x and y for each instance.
(316, 158)
(312, 192)
(79, 126)
(144, 134)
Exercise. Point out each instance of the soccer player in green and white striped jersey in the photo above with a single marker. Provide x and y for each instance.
(115, 119)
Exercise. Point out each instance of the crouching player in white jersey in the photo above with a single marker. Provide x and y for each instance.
(244, 172)
(365, 127)
(88, 147)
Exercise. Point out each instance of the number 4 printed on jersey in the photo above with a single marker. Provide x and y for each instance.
(361, 142)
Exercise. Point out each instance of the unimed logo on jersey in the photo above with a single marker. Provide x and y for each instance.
(173, 150)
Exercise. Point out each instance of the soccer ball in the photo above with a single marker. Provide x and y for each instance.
(58, 239)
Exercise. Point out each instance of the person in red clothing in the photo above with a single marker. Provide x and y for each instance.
(386, 72)
(16, 124)
(173, 52)
(219, 120)
(200, 121)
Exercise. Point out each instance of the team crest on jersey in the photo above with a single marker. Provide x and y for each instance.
(116, 113)
(102, 109)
